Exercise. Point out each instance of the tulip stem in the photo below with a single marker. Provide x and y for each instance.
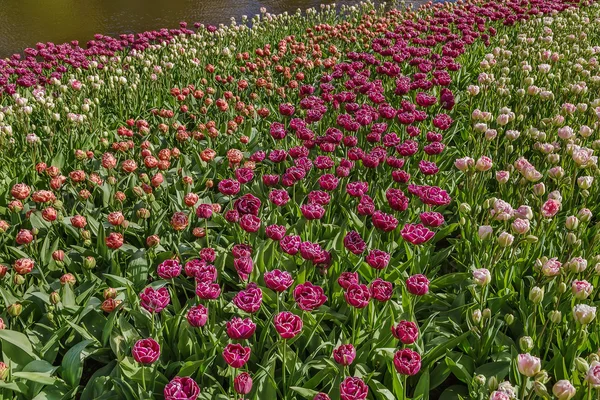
(354, 327)
(524, 388)
(232, 387)
(144, 378)
(206, 232)
(283, 360)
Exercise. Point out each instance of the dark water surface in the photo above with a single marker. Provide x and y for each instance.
(23, 23)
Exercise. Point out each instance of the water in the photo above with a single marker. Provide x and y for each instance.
(23, 23)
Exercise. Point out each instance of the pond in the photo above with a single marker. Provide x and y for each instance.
(23, 23)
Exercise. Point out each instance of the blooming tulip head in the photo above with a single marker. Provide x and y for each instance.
(417, 285)
(563, 390)
(181, 388)
(344, 354)
(584, 314)
(482, 276)
(406, 331)
(287, 324)
(146, 351)
(353, 388)
(528, 365)
(236, 355)
(407, 362)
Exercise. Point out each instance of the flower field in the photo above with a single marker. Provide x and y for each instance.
(364, 203)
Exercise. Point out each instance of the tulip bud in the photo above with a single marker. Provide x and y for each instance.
(89, 262)
(540, 389)
(562, 287)
(539, 189)
(476, 316)
(18, 280)
(462, 221)
(585, 215)
(14, 310)
(581, 365)
(479, 380)
(3, 371)
(536, 295)
(505, 239)
(138, 191)
(594, 357)
(58, 256)
(526, 344)
(571, 238)
(542, 377)
(151, 197)
(572, 223)
(110, 293)
(243, 383)
(509, 319)
(553, 158)
(85, 234)
(3, 270)
(152, 241)
(555, 316)
(143, 213)
(486, 314)
(464, 208)
(489, 203)
(531, 239)
(492, 383)
(485, 232)
(54, 298)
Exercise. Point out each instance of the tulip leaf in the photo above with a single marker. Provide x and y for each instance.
(72, 363)
(16, 347)
(306, 393)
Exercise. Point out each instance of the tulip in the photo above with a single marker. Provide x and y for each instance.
(181, 388)
(528, 365)
(353, 388)
(563, 390)
(407, 362)
(288, 325)
(146, 351)
(236, 355)
(344, 354)
(243, 383)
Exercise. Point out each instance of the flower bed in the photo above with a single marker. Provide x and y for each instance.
(364, 204)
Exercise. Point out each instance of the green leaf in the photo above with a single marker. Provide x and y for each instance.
(17, 347)
(37, 377)
(72, 363)
(68, 297)
(18, 387)
(98, 382)
(459, 369)
(498, 369)
(138, 269)
(455, 392)
(306, 393)
(422, 388)
(438, 351)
